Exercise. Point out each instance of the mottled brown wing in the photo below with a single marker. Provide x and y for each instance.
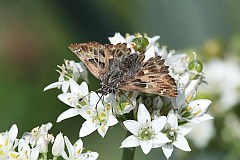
(153, 77)
(94, 55)
(118, 50)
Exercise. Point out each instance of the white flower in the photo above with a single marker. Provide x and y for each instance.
(9, 138)
(177, 63)
(58, 146)
(25, 152)
(39, 137)
(146, 133)
(75, 151)
(223, 77)
(98, 117)
(8, 141)
(89, 156)
(175, 134)
(76, 99)
(195, 111)
(124, 102)
(117, 38)
(157, 105)
(202, 134)
(71, 70)
(42, 144)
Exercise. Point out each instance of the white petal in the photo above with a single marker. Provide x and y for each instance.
(79, 146)
(111, 120)
(185, 129)
(34, 153)
(146, 146)
(130, 141)
(205, 117)
(74, 86)
(159, 123)
(94, 98)
(117, 38)
(158, 103)
(87, 128)
(83, 89)
(13, 131)
(191, 87)
(64, 155)
(132, 126)
(70, 147)
(184, 79)
(102, 130)
(195, 120)
(43, 146)
(201, 104)
(87, 113)
(143, 114)
(179, 100)
(181, 143)
(67, 114)
(65, 97)
(58, 145)
(81, 67)
(149, 53)
(172, 119)
(160, 138)
(65, 86)
(53, 85)
(167, 150)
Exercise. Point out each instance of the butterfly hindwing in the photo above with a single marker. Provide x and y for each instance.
(153, 78)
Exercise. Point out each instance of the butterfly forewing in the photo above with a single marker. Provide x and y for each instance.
(118, 50)
(94, 55)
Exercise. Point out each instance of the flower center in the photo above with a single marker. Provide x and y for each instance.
(122, 105)
(170, 132)
(101, 117)
(146, 133)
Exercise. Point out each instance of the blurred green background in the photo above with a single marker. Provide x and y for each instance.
(34, 38)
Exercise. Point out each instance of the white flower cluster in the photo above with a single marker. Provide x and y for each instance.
(34, 145)
(155, 121)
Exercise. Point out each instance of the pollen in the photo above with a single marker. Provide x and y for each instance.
(108, 107)
(102, 117)
(198, 112)
(189, 108)
(89, 112)
(15, 156)
(188, 99)
(102, 129)
(6, 142)
(78, 151)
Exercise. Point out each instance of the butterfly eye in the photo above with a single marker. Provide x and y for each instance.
(110, 90)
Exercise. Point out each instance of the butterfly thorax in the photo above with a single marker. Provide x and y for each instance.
(119, 70)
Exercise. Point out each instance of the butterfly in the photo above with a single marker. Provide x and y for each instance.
(119, 69)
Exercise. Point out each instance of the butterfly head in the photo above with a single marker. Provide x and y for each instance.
(106, 88)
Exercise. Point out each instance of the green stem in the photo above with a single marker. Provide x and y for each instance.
(55, 158)
(128, 153)
(44, 156)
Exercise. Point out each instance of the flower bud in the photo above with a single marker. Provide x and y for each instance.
(58, 145)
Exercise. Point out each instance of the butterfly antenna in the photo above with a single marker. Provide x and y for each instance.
(100, 97)
(84, 96)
